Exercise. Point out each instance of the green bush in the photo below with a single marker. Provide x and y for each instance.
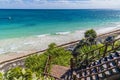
(19, 73)
(36, 63)
(90, 34)
(59, 56)
(85, 54)
(85, 49)
(1, 76)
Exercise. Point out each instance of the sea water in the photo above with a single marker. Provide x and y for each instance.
(29, 22)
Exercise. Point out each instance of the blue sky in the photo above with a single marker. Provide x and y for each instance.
(60, 4)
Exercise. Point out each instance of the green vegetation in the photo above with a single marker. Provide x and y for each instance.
(90, 34)
(86, 52)
(88, 55)
(19, 73)
(85, 48)
(35, 64)
(1, 76)
(58, 54)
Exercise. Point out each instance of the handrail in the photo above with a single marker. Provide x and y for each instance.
(99, 72)
(66, 44)
(56, 78)
(109, 33)
(63, 45)
(103, 45)
(47, 66)
(108, 51)
(114, 48)
(98, 65)
(107, 69)
(99, 48)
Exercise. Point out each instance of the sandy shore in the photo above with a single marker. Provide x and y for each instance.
(21, 46)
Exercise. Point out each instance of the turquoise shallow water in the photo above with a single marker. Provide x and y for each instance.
(37, 22)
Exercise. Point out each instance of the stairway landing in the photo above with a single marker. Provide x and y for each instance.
(58, 71)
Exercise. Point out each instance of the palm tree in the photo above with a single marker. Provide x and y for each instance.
(90, 35)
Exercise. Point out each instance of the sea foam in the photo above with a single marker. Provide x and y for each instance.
(2, 51)
(43, 35)
(62, 33)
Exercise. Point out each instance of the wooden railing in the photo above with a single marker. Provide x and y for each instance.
(51, 76)
(105, 47)
(19, 61)
(47, 66)
(109, 33)
(8, 65)
(94, 54)
(47, 69)
(89, 70)
(105, 53)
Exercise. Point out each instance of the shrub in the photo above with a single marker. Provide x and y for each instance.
(1, 76)
(19, 73)
(90, 34)
(36, 63)
(59, 56)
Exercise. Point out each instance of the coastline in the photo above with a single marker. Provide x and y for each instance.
(40, 42)
(19, 47)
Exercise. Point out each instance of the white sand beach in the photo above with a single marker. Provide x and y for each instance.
(11, 48)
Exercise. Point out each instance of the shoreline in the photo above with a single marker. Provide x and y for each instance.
(31, 44)
(40, 42)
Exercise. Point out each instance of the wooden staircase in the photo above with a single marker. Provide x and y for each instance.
(101, 69)
(107, 67)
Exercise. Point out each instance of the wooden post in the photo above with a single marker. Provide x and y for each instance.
(113, 45)
(74, 76)
(76, 59)
(99, 53)
(106, 45)
(71, 64)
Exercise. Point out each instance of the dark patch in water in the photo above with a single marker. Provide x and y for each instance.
(29, 25)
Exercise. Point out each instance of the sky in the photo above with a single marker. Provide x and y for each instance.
(60, 4)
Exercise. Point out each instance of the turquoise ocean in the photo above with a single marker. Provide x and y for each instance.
(16, 23)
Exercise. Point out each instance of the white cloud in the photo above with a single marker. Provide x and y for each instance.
(59, 3)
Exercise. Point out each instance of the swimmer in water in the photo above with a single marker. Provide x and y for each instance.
(9, 18)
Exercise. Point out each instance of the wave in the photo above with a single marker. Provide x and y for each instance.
(57, 33)
(62, 33)
(2, 51)
(43, 35)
